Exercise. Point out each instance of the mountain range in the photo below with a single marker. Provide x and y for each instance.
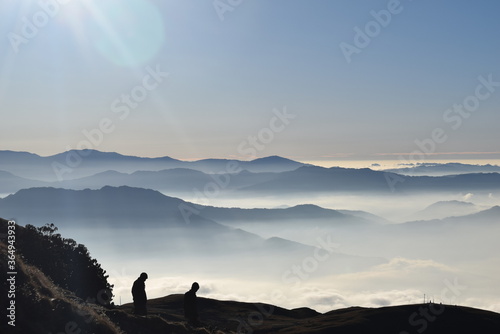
(266, 176)
(441, 169)
(444, 209)
(173, 227)
(284, 227)
(81, 163)
(309, 179)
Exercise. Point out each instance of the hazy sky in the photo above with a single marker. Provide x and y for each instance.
(304, 79)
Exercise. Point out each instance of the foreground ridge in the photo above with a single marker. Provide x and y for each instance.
(42, 306)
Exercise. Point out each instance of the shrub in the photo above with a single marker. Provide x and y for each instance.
(66, 262)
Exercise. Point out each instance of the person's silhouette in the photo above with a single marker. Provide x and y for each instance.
(190, 304)
(139, 295)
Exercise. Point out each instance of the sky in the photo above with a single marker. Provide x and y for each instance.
(409, 80)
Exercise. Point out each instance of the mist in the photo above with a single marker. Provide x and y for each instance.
(304, 237)
(410, 260)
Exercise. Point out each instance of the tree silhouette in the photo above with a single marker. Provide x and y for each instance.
(66, 262)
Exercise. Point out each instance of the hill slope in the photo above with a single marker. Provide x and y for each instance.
(444, 209)
(44, 307)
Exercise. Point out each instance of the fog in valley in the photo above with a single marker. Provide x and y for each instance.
(453, 261)
(347, 237)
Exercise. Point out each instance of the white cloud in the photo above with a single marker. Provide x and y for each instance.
(468, 196)
(397, 282)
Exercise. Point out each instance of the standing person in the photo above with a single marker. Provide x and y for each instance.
(190, 304)
(139, 295)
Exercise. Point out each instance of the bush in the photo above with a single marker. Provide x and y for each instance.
(66, 262)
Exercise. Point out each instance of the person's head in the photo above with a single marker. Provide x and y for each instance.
(144, 276)
(195, 287)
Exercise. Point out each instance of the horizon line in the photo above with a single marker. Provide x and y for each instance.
(341, 157)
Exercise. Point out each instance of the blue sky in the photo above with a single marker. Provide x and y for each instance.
(193, 79)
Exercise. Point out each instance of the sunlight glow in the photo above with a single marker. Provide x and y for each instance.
(126, 33)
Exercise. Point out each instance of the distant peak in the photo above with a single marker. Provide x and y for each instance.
(306, 206)
(101, 154)
(450, 203)
(273, 158)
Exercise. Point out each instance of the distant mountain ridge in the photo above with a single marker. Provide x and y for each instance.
(491, 215)
(272, 175)
(299, 213)
(10, 183)
(130, 203)
(179, 225)
(487, 216)
(445, 209)
(437, 169)
(81, 163)
(307, 179)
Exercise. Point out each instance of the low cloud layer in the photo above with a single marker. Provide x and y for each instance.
(400, 281)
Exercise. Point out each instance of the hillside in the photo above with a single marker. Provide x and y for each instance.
(264, 318)
(11, 183)
(488, 217)
(42, 306)
(444, 209)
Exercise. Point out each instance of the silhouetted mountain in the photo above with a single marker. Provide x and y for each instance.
(260, 165)
(365, 215)
(456, 183)
(82, 163)
(303, 223)
(271, 175)
(314, 178)
(318, 179)
(452, 240)
(307, 179)
(180, 179)
(488, 217)
(73, 164)
(297, 214)
(444, 209)
(168, 226)
(10, 183)
(240, 317)
(14, 157)
(173, 181)
(272, 164)
(437, 169)
(129, 205)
